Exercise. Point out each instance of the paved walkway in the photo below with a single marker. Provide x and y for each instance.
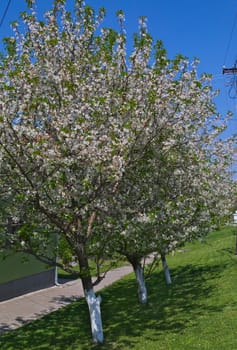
(18, 311)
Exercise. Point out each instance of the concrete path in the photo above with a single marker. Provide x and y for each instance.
(21, 310)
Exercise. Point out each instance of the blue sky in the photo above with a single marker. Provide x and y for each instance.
(206, 29)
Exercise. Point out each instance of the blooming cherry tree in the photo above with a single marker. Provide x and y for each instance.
(96, 146)
(184, 187)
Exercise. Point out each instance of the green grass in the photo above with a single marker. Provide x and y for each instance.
(199, 311)
(19, 265)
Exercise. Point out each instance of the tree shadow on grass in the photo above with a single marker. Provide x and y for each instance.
(169, 309)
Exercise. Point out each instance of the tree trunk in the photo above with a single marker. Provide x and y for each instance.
(142, 291)
(93, 302)
(166, 269)
(236, 244)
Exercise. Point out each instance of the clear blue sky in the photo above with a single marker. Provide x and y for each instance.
(203, 29)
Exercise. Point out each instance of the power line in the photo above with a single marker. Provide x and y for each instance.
(230, 38)
(5, 13)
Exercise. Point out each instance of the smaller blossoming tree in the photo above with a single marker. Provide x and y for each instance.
(184, 187)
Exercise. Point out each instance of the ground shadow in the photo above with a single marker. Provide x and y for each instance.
(170, 308)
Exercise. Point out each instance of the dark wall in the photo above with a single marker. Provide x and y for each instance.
(27, 284)
(21, 273)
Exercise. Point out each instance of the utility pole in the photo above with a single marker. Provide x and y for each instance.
(231, 70)
(232, 73)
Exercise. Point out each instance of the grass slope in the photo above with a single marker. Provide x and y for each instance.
(199, 311)
(19, 265)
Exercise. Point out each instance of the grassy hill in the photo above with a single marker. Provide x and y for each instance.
(19, 265)
(199, 311)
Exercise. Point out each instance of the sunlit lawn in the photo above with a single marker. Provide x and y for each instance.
(199, 311)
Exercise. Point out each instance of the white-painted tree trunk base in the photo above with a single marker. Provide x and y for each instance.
(166, 271)
(142, 291)
(93, 303)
